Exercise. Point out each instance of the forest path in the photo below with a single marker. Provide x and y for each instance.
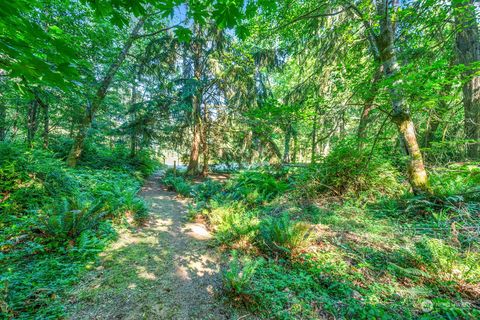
(164, 270)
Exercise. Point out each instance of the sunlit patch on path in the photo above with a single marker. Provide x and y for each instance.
(164, 270)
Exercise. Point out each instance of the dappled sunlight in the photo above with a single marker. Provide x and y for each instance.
(197, 231)
(164, 270)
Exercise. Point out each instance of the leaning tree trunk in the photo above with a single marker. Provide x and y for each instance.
(468, 50)
(86, 122)
(417, 175)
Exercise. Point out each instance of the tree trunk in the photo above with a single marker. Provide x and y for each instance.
(192, 168)
(314, 136)
(205, 149)
(32, 122)
(367, 108)
(417, 174)
(468, 52)
(78, 144)
(3, 121)
(133, 133)
(434, 121)
(286, 148)
(46, 119)
(296, 146)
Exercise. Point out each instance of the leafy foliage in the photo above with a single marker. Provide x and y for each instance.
(54, 222)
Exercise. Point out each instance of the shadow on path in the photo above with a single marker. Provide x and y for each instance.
(164, 270)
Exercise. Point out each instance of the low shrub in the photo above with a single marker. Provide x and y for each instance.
(256, 187)
(178, 184)
(284, 237)
(434, 259)
(45, 240)
(348, 171)
(206, 190)
(238, 276)
(232, 224)
(66, 222)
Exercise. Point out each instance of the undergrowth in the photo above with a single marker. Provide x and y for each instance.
(345, 240)
(55, 220)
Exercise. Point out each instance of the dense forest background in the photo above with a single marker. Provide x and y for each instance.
(349, 131)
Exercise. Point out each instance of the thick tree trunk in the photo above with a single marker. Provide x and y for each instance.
(32, 122)
(78, 144)
(417, 175)
(3, 121)
(468, 49)
(192, 168)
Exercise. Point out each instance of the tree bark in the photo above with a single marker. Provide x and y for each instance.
(286, 147)
(3, 121)
(86, 122)
(367, 109)
(205, 148)
(133, 133)
(32, 121)
(314, 136)
(192, 168)
(46, 119)
(468, 53)
(417, 175)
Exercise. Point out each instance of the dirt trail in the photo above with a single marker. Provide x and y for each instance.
(164, 270)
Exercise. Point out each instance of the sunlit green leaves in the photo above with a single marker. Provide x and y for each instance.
(183, 34)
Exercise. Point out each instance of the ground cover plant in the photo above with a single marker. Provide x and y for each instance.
(55, 220)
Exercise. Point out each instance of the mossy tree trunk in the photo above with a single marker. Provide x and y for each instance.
(417, 175)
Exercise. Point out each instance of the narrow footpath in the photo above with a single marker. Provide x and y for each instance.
(164, 270)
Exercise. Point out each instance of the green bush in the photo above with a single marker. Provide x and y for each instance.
(46, 241)
(206, 190)
(434, 259)
(284, 237)
(178, 184)
(232, 223)
(256, 187)
(69, 220)
(238, 276)
(348, 171)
